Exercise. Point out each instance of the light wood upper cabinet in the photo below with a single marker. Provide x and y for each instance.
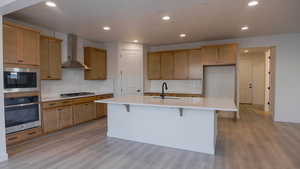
(95, 59)
(167, 65)
(188, 64)
(50, 51)
(195, 65)
(154, 66)
(181, 65)
(44, 54)
(21, 45)
(10, 38)
(31, 47)
(219, 55)
(210, 55)
(228, 54)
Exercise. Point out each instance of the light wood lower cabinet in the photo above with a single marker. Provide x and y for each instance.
(66, 113)
(57, 118)
(65, 117)
(50, 120)
(84, 112)
(101, 110)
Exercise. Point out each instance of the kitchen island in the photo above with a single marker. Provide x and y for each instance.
(177, 122)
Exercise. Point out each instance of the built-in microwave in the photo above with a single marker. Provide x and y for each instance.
(22, 112)
(21, 80)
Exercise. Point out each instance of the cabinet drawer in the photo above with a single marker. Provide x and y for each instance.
(28, 134)
(47, 105)
(84, 100)
(23, 135)
(105, 96)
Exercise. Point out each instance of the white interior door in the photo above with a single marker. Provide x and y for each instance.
(131, 70)
(245, 68)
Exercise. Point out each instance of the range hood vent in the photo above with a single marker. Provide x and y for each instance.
(72, 61)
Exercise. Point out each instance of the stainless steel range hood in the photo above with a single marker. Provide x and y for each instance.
(72, 61)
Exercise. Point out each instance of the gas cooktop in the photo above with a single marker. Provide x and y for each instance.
(76, 94)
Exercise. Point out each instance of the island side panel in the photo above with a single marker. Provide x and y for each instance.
(194, 131)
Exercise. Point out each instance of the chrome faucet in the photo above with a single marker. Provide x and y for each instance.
(163, 87)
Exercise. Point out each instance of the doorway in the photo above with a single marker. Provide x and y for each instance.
(255, 81)
(131, 69)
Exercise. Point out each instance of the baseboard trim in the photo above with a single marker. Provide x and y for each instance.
(3, 157)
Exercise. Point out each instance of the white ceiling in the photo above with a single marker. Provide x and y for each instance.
(140, 19)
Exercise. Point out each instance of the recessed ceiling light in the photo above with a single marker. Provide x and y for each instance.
(182, 35)
(244, 28)
(135, 41)
(166, 18)
(106, 28)
(253, 3)
(246, 51)
(50, 4)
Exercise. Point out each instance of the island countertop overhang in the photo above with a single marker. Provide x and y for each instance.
(200, 103)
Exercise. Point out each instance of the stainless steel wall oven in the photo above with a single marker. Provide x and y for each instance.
(22, 112)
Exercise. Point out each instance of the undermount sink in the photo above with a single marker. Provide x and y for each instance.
(166, 97)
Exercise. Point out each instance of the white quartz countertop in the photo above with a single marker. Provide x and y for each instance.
(57, 98)
(210, 103)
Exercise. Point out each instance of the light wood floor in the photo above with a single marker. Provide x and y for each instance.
(253, 142)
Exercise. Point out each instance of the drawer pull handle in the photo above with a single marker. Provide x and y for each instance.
(12, 138)
(52, 104)
(32, 133)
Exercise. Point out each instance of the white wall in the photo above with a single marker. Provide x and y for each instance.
(3, 154)
(287, 88)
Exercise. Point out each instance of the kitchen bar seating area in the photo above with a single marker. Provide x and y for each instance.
(194, 84)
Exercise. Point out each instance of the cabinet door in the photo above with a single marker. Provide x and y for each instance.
(30, 47)
(167, 66)
(100, 64)
(54, 59)
(84, 112)
(181, 65)
(227, 54)
(90, 111)
(10, 43)
(101, 110)
(95, 59)
(65, 116)
(44, 55)
(154, 66)
(78, 109)
(210, 55)
(195, 65)
(50, 120)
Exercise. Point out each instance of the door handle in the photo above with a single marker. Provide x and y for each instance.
(138, 90)
(250, 85)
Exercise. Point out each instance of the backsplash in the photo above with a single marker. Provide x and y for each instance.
(175, 86)
(73, 81)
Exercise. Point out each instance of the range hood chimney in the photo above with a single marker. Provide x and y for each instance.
(72, 61)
